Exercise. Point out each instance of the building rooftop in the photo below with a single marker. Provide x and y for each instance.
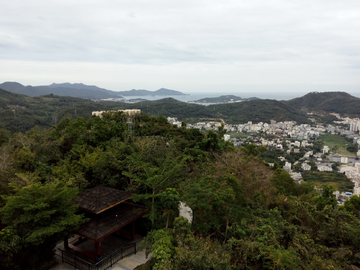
(100, 198)
(101, 225)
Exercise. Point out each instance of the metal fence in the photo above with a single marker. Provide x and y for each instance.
(103, 264)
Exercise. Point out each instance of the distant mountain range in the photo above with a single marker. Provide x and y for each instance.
(80, 90)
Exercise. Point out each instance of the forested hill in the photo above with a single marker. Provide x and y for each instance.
(19, 113)
(259, 110)
(338, 102)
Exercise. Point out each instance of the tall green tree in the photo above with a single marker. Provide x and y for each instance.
(153, 168)
(34, 220)
(327, 198)
(4, 136)
(169, 200)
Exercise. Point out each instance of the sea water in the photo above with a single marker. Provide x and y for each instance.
(197, 96)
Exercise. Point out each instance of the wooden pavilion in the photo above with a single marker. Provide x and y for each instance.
(108, 212)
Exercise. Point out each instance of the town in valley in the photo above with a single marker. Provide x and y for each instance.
(296, 147)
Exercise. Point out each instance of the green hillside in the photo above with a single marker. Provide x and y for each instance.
(19, 113)
(327, 102)
(259, 110)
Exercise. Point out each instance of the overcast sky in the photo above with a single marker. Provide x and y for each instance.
(188, 45)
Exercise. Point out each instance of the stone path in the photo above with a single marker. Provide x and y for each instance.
(131, 262)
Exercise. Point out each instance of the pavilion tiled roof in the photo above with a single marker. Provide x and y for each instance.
(100, 198)
(101, 225)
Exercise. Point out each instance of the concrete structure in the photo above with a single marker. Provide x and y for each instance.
(324, 168)
(132, 112)
(226, 137)
(287, 167)
(305, 167)
(354, 124)
(350, 171)
(344, 160)
(356, 188)
(297, 177)
(177, 123)
(326, 149)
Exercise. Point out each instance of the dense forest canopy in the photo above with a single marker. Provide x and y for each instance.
(246, 214)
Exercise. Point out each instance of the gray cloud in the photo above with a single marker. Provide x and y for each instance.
(309, 38)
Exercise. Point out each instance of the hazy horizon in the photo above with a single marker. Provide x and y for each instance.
(278, 92)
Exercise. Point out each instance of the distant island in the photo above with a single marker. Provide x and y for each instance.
(160, 92)
(81, 90)
(135, 100)
(223, 99)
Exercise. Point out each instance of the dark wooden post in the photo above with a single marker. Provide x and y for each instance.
(97, 247)
(133, 231)
(66, 242)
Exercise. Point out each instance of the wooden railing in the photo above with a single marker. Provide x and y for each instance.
(103, 264)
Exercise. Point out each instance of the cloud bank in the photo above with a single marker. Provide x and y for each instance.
(184, 45)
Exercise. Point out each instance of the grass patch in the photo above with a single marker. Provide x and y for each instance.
(238, 135)
(337, 144)
(337, 180)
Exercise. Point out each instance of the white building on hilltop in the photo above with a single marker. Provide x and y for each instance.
(132, 112)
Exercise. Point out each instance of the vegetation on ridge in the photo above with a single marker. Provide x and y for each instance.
(20, 113)
(246, 214)
(327, 102)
